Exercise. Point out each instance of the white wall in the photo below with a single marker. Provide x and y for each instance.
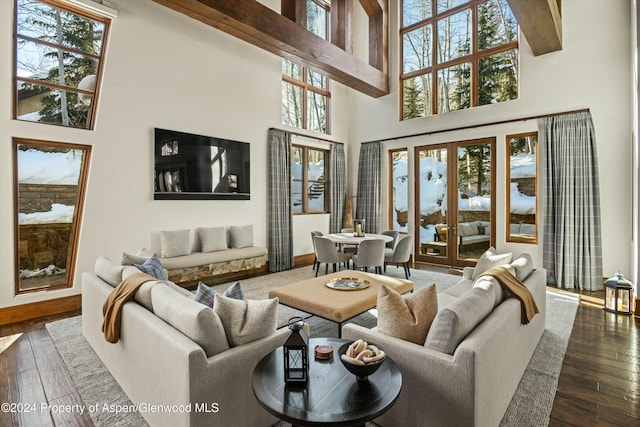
(166, 70)
(593, 71)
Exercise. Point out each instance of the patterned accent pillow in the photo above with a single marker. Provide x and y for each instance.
(152, 267)
(206, 295)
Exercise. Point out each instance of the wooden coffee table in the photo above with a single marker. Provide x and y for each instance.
(314, 297)
(332, 395)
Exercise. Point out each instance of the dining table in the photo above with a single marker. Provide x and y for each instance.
(351, 239)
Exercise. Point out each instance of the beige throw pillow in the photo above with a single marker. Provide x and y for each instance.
(490, 259)
(407, 317)
(246, 320)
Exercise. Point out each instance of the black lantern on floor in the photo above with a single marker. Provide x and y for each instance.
(618, 295)
(296, 353)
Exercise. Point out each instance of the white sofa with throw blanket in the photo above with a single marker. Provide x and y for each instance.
(472, 381)
(176, 351)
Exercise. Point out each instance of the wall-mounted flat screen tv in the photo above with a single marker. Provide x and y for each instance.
(197, 167)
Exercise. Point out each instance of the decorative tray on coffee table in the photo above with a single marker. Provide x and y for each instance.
(347, 284)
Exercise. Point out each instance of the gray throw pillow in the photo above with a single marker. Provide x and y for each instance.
(109, 271)
(246, 320)
(523, 266)
(490, 259)
(455, 321)
(141, 256)
(193, 319)
(241, 236)
(491, 285)
(175, 243)
(213, 239)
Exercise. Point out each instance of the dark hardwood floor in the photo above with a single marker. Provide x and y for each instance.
(598, 385)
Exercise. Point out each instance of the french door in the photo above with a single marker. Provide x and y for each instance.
(455, 201)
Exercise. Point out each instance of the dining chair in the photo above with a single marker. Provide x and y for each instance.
(348, 249)
(327, 253)
(401, 254)
(370, 254)
(388, 248)
(315, 257)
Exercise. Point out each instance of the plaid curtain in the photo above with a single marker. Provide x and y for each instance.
(572, 248)
(280, 230)
(368, 190)
(338, 183)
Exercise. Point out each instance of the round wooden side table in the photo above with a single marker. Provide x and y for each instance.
(332, 396)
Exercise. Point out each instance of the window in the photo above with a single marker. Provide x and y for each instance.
(305, 93)
(399, 190)
(49, 187)
(456, 54)
(309, 183)
(522, 182)
(59, 56)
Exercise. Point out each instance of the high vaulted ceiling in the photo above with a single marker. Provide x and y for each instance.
(539, 20)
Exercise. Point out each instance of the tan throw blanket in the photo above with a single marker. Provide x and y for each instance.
(516, 289)
(112, 307)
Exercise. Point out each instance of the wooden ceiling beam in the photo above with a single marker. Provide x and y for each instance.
(540, 22)
(255, 23)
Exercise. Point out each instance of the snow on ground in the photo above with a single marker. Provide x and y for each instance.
(39, 167)
(59, 213)
(523, 165)
(433, 189)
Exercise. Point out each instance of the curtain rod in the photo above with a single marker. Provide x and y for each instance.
(307, 136)
(583, 110)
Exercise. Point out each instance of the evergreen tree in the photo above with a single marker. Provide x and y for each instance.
(71, 31)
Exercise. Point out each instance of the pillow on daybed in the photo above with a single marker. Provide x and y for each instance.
(206, 295)
(193, 319)
(248, 320)
(490, 259)
(175, 243)
(213, 239)
(455, 321)
(407, 317)
(241, 236)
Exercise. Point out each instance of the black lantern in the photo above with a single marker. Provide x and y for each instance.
(618, 295)
(296, 353)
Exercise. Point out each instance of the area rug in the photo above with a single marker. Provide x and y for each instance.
(531, 404)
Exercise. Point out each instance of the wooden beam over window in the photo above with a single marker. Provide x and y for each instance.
(341, 16)
(540, 22)
(257, 24)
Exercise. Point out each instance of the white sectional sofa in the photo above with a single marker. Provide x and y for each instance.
(474, 384)
(156, 363)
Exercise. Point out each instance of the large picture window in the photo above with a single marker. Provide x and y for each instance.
(456, 54)
(59, 55)
(309, 182)
(306, 93)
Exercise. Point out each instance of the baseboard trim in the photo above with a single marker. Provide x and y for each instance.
(302, 260)
(38, 310)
